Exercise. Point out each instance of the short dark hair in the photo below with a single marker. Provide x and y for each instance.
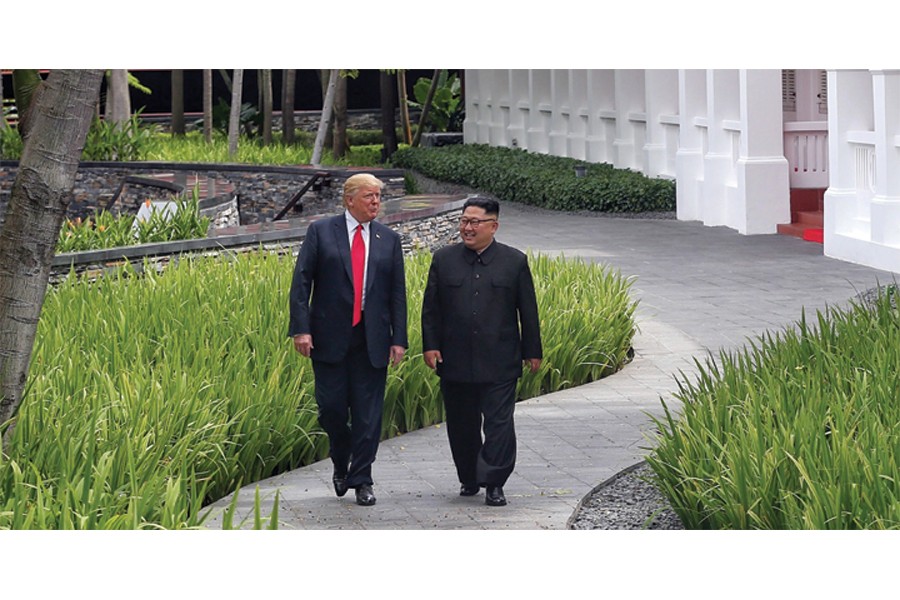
(490, 206)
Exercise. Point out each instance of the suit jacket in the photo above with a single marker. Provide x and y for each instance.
(321, 296)
(481, 313)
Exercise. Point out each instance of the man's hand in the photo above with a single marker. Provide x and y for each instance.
(533, 364)
(303, 343)
(432, 358)
(397, 353)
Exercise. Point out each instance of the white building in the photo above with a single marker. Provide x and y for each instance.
(802, 152)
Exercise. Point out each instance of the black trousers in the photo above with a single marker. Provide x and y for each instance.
(350, 400)
(475, 407)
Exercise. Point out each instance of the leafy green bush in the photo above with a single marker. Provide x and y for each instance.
(10, 143)
(117, 141)
(150, 396)
(106, 230)
(539, 179)
(797, 431)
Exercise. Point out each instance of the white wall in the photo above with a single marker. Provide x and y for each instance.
(718, 132)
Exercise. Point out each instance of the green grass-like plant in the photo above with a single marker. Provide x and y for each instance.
(106, 230)
(799, 430)
(151, 395)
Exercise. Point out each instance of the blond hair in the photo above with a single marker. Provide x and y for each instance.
(360, 180)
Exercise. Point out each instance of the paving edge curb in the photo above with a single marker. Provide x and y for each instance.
(587, 497)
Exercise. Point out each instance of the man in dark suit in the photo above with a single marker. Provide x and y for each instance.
(351, 331)
(479, 323)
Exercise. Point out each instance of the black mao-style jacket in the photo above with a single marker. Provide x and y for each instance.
(480, 311)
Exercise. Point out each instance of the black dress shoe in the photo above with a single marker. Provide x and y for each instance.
(340, 483)
(469, 489)
(364, 495)
(494, 496)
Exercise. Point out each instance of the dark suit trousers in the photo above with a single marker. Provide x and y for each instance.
(471, 407)
(350, 399)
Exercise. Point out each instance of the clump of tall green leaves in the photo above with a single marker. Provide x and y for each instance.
(797, 431)
(152, 395)
(106, 230)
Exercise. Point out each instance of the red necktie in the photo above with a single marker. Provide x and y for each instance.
(358, 259)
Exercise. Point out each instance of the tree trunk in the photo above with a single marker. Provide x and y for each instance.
(207, 105)
(118, 100)
(234, 118)
(265, 85)
(2, 106)
(339, 131)
(426, 107)
(37, 206)
(404, 107)
(178, 102)
(287, 105)
(327, 105)
(388, 119)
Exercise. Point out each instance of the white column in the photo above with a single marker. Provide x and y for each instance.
(762, 170)
(576, 144)
(518, 107)
(538, 135)
(661, 89)
(850, 105)
(473, 92)
(629, 110)
(601, 101)
(689, 159)
(886, 203)
(561, 111)
(723, 120)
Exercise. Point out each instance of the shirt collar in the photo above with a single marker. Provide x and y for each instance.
(485, 255)
(352, 222)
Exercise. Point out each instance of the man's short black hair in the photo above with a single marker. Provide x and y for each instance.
(490, 206)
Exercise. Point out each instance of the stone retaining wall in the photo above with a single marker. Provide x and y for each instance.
(261, 191)
(427, 232)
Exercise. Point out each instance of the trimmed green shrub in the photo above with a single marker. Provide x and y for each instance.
(541, 180)
(797, 431)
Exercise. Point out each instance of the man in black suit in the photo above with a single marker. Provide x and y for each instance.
(479, 323)
(351, 331)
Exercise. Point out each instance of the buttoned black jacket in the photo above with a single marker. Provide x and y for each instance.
(481, 313)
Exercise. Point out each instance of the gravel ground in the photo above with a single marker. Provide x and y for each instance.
(627, 501)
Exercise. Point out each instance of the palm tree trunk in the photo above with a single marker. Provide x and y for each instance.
(339, 132)
(287, 105)
(265, 85)
(60, 118)
(388, 119)
(404, 107)
(178, 102)
(207, 105)
(118, 101)
(426, 107)
(234, 118)
(327, 105)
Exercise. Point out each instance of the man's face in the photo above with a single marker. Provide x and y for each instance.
(365, 203)
(477, 228)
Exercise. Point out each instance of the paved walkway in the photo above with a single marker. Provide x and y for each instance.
(701, 289)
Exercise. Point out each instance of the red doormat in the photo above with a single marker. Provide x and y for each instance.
(814, 235)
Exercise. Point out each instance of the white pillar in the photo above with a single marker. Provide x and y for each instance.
(537, 138)
(629, 110)
(661, 89)
(886, 203)
(689, 159)
(762, 170)
(561, 111)
(850, 103)
(518, 107)
(723, 121)
(601, 101)
(576, 144)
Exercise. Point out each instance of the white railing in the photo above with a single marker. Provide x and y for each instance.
(806, 150)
